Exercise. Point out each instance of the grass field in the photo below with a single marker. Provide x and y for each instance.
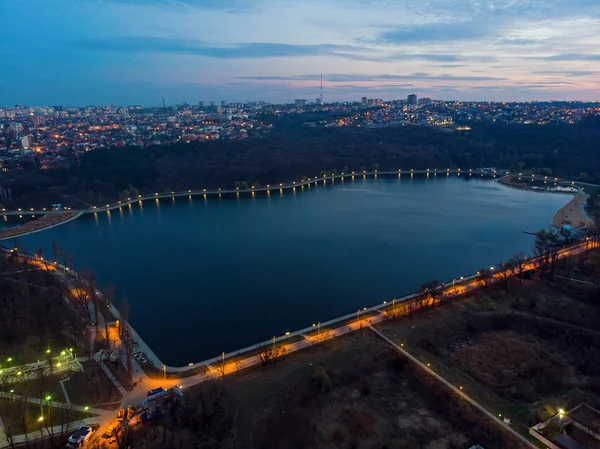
(524, 352)
(352, 391)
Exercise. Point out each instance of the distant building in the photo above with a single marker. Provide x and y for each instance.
(300, 102)
(223, 103)
(212, 103)
(38, 120)
(16, 127)
(26, 142)
(364, 100)
(201, 104)
(411, 99)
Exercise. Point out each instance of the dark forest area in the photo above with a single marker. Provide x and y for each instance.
(293, 151)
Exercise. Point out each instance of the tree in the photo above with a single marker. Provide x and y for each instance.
(429, 291)
(124, 195)
(505, 271)
(485, 276)
(519, 262)
(108, 298)
(542, 248)
(270, 353)
(55, 250)
(124, 311)
(81, 294)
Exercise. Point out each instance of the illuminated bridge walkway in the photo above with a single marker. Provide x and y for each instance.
(252, 190)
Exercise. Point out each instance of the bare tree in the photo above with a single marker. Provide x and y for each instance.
(124, 311)
(519, 262)
(429, 292)
(270, 353)
(55, 251)
(505, 271)
(545, 249)
(485, 276)
(80, 294)
(105, 302)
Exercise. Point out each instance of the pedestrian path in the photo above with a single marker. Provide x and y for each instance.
(461, 394)
(79, 408)
(64, 390)
(112, 378)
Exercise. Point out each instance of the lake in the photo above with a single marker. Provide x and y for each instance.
(204, 276)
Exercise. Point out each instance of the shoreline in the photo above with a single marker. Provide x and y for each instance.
(38, 225)
(573, 213)
(205, 193)
(46, 222)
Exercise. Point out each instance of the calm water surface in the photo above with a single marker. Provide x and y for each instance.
(204, 277)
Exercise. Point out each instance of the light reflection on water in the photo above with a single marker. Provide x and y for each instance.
(233, 273)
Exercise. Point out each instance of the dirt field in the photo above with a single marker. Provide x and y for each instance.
(523, 353)
(351, 392)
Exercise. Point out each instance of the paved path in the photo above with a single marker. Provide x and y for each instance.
(137, 395)
(457, 391)
(64, 390)
(112, 378)
(269, 187)
(56, 404)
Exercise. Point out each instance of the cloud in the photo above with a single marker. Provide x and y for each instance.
(434, 32)
(197, 48)
(570, 57)
(573, 73)
(344, 77)
(233, 6)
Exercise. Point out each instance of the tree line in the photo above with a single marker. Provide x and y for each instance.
(293, 151)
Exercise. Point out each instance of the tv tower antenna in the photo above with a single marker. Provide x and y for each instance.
(321, 95)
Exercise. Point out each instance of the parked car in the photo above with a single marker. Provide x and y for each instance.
(81, 435)
(155, 391)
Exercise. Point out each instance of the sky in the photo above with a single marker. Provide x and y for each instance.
(93, 52)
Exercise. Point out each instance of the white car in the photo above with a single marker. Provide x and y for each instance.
(81, 435)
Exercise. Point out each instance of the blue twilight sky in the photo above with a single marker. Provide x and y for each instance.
(79, 52)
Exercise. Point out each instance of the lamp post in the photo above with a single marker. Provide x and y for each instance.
(223, 362)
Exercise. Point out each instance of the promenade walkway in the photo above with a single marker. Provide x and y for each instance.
(236, 361)
(267, 188)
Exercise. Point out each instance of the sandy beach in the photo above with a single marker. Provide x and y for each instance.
(573, 213)
(44, 222)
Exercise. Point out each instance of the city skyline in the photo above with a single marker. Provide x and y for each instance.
(92, 52)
